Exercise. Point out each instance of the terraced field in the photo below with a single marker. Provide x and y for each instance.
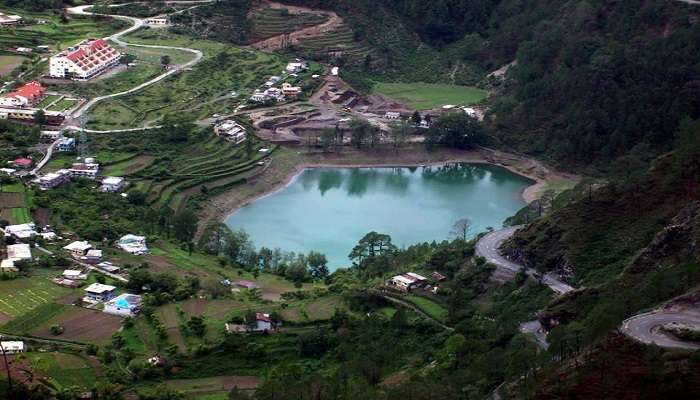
(338, 41)
(270, 22)
(212, 165)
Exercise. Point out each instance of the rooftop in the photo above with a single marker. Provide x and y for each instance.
(99, 288)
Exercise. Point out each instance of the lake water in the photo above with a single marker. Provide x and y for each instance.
(330, 209)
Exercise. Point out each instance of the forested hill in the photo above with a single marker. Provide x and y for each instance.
(594, 79)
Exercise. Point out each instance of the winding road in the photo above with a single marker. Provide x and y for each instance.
(489, 248)
(646, 328)
(137, 24)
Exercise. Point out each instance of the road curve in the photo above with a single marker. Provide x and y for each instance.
(137, 24)
(646, 328)
(489, 248)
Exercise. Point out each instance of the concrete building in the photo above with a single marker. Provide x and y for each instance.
(290, 91)
(66, 144)
(98, 292)
(17, 252)
(231, 131)
(21, 231)
(125, 305)
(84, 61)
(27, 95)
(85, 169)
(112, 184)
(133, 244)
(78, 249)
(53, 179)
(11, 347)
(74, 275)
(408, 281)
(53, 118)
(10, 20)
(157, 21)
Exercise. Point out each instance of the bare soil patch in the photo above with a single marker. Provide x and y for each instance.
(82, 325)
(11, 200)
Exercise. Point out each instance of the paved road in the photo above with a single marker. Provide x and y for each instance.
(137, 24)
(489, 248)
(47, 157)
(645, 328)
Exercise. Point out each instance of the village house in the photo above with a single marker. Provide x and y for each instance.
(51, 135)
(7, 266)
(124, 305)
(65, 145)
(392, 115)
(108, 267)
(112, 184)
(92, 256)
(294, 67)
(84, 61)
(87, 169)
(27, 95)
(270, 94)
(11, 347)
(98, 292)
(231, 131)
(157, 21)
(438, 276)
(21, 231)
(262, 323)
(290, 91)
(29, 115)
(78, 249)
(74, 275)
(408, 281)
(10, 20)
(21, 251)
(53, 179)
(23, 163)
(66, 282)
(133, 244)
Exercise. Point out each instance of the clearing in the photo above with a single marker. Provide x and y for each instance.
(423, 96)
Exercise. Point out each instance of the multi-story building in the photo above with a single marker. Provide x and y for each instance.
(84, 61)
(27, 95)
(53, 179)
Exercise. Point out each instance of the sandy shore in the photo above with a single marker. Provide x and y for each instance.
(289, 162)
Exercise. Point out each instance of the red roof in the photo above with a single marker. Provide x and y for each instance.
(76, 55)
(31, 91)
(98, 44)
(25, 162)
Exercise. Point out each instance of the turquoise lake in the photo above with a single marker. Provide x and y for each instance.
(330, 209)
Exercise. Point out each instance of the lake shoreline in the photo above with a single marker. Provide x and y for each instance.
(291, 162)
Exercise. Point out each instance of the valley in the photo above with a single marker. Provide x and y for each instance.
(300, 199)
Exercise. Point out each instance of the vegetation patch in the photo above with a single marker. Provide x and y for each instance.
(422, 96)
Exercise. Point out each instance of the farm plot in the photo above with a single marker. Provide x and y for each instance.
(422, 96)
(9, 64)
(18, 296)
(270, 22)
(81, 325)
(64, 369)
(214, 385)
(13, 204)
(341, 40)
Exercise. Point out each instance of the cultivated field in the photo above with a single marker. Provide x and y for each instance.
(276, 21)
(81, 325)
(214, 385)
(423, 96)
(14, 204)
(18, 296)
(63, 370)
(9, 63)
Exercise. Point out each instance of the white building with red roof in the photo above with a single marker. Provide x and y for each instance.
(84, 61)
(27, 95)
